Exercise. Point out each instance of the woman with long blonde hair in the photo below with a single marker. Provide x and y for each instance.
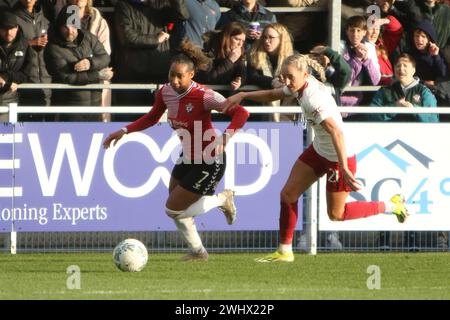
(269, 52)
(266, 58)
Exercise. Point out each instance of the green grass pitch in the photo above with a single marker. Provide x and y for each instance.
(228, 276)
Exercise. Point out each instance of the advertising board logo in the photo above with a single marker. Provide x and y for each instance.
(396, 160)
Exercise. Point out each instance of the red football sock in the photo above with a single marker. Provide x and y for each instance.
(288, 221)
(360, 209)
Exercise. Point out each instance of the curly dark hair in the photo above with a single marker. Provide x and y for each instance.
(192, 55)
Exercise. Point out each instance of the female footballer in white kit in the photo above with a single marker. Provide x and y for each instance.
(328, 154)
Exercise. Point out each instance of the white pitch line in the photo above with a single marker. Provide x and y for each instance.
(279, 290)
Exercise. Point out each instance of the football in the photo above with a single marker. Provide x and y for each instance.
(130, 255)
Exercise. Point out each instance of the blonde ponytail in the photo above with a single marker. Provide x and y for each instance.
(304, 62)
(316, 63)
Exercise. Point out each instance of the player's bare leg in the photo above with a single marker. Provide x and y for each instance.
(336, 205)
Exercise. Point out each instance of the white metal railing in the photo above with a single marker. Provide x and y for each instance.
(140, 86)
(361, 88)
(92, 86)
(252, 109)
(289, 9)
(115, 86)
(272, 9)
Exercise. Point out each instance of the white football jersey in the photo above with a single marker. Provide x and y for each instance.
(318, 104)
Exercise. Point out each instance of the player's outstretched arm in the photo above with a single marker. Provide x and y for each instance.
(114, 138)
(147, 120)
(258, 96)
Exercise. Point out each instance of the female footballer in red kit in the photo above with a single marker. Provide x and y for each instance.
(198, 170)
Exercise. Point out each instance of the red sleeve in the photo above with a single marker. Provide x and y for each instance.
(151, 118)
(392, 34)
(238, 116)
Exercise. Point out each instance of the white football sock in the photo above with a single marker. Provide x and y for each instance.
(285, 248)
(390, 206)
(189, 233)
(203, 205)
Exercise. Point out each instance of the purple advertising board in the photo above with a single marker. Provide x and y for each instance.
(65, 181)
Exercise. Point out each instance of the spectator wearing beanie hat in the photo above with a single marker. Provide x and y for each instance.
(74, 56)
(430, 64)
(13, 59)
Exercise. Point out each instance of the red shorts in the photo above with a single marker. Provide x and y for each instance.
(320, 165)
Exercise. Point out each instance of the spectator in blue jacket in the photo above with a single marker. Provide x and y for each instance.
(203, 17)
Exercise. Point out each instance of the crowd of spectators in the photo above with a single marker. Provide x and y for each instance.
(246, 45)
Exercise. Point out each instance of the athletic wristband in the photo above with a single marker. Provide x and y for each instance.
(124, 129)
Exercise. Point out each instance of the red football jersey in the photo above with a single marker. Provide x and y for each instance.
(189, 114)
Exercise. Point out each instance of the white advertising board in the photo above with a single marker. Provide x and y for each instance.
(408, 158)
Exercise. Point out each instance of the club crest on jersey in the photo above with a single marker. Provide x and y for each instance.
(189, 108)
(416, 98)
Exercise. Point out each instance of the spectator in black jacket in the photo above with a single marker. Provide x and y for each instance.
(13, 59)
(34, 26)
(226, 48)
(143, 48)
(48, 8)
(254, 16)
(430, 64)
(143, 40)
(74, 56)
(434, 11)
(9, 4)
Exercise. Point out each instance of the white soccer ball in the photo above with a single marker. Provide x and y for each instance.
(130, 255)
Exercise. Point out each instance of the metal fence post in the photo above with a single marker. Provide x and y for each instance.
(311, 208)
(12, 113)
(334, 27)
